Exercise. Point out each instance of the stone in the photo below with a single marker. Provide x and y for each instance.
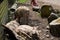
(46, 11)
(55, 27)
(47, 36)
(13, 8)
(52, 17)
(47, 27)
(47, 30)
(52, 38)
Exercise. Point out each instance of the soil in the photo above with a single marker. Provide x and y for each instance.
(41, 23)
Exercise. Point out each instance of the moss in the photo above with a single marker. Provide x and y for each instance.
(46, 10)
(22, 1)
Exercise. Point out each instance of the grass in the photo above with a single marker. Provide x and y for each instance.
(22, 1)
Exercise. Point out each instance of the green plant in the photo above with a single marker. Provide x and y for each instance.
(22, 1)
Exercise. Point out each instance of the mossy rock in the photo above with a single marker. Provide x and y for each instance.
(46, 10)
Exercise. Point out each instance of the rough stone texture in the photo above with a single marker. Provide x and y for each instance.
(55, 27)
(52, 17)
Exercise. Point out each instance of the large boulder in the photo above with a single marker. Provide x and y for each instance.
(55, 27)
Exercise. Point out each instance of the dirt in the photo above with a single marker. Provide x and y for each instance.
(42, 23)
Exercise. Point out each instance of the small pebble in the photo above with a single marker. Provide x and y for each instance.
(47, 27)
(40, 31)
(47, 36)
(52, 38)
(47, 30)
(41, 38)
(44, 34)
